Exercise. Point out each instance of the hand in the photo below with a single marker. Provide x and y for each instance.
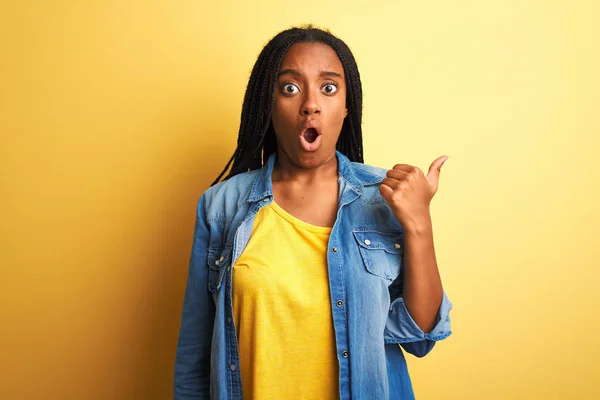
(409, 191)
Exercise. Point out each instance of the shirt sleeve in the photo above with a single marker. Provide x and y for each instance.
(192, 361)
(401, 328)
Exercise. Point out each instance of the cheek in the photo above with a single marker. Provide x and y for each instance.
(281, 114)
(276, 118)
(339, 112)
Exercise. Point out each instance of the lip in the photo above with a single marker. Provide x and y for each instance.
(314, 146)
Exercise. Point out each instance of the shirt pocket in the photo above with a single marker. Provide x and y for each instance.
(381, 252)
(219, 259)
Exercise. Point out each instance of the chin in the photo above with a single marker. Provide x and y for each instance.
(307, 159)
(310, 160)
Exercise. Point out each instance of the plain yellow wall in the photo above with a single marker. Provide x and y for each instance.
(116, 115)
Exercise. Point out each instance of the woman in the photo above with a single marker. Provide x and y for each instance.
(310, 271)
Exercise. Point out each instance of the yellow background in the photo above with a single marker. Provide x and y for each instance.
(116, 115)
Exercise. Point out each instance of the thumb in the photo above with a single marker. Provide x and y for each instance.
(433, 175)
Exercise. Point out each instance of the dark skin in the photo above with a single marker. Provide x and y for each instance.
(311, 90)
(310, 87)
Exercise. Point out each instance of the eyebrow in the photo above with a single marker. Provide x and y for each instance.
(297, 73)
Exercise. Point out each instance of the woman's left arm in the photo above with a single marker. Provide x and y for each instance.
(408, 191)
(422, 290)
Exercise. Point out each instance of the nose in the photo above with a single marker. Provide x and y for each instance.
(311, 104)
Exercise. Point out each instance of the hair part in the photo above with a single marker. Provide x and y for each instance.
(256, 137)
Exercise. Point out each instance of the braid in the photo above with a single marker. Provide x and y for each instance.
(256, 137)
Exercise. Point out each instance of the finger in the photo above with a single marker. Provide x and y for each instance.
(433, 175)
(393, 184)
(386, 191)
(397, 174)
(404, 167)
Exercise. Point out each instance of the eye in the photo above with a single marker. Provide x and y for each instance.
(290, 88)
(330, 88)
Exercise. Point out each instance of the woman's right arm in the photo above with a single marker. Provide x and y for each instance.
(192, 363)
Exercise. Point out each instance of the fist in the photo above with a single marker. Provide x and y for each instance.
(408, 191)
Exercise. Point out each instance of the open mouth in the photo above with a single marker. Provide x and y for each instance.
(310, 135)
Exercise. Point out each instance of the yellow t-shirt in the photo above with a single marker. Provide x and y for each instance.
(282, 310)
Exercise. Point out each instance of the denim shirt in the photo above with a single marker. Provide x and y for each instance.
(365, 265)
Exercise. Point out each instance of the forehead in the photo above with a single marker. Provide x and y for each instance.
(312, 57)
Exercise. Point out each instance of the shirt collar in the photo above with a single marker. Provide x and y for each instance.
(262, 187)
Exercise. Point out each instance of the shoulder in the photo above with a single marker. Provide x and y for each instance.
(368, 174)
(370, 178)
(225, 197)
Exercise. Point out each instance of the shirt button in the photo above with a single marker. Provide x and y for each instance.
(229, 320)
(367, 242)
(232, 367)
(339, 303)
(397, 246)
(345, 353)
(334, 249)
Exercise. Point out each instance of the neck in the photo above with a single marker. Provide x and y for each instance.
(286, 170)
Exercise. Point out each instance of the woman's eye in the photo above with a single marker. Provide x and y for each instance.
(289, 88)
(330, 88)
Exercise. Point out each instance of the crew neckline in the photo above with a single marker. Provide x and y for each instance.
(298, 222)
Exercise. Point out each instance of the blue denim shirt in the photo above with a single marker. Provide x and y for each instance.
(365, 261)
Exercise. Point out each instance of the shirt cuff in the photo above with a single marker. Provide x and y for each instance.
(401, 328)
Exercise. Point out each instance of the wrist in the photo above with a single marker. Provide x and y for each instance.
(418, 226)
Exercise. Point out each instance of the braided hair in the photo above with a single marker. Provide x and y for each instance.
(256, 137)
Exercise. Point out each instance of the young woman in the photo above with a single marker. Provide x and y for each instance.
(310, 272)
